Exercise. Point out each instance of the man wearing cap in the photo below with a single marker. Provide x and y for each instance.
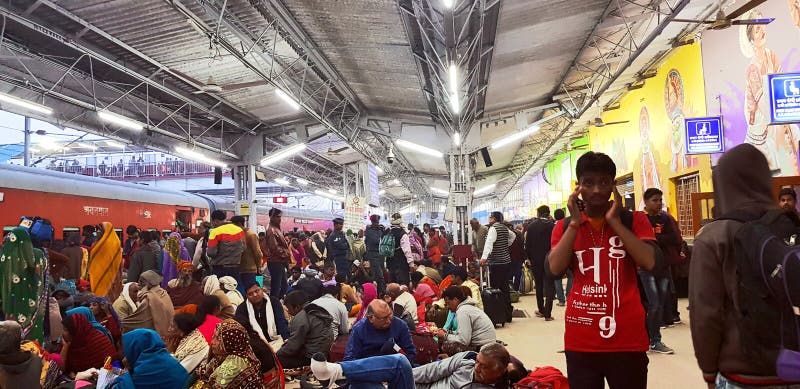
(154, 310)
(184, 290)
(497, 256)
(399, 264)
(338, 247)
(372, 239)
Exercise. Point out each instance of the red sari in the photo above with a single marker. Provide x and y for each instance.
(88, 348)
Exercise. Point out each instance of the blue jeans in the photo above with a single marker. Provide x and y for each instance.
(277, 283)
(560, 296)
(245, 279)
(656, 290)
(370, 373)
(222, 271)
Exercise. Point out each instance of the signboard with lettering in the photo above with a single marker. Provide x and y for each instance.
(280, 199)
(704, 135)
(784, 94)
(244, 209)
(354, 213)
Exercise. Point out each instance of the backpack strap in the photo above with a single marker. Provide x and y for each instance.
(789, 298)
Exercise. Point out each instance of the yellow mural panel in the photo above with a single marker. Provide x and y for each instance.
(650, 144)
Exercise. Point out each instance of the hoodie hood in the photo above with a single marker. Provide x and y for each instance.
(742, 181)
(468, 301)
(19, 362)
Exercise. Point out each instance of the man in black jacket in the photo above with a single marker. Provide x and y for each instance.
(372, 239)
(537, 244)
(338, 247)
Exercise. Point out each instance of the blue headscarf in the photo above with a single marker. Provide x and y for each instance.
(101, 301)
(152, 367)
(90, 317)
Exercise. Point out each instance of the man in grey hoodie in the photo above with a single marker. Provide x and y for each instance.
(742, 184)
(19, 369)
(475, 328)
(484, 369)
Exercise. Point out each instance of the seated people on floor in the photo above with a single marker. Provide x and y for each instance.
(460, 277)
(309, 284)
(379, 333)
(149, 363)
(426, 269)
(337, 310)
(84, 346)
(423, 292)
(207, 314)
(211, 286)
(184, 290)
(348, 294)
(475, 329)
(18, 368)
(265, 315)
(309, 331)
(404, 304)
(105, 315)
(188, 345)
(488, 368)
(154, 309)
(266, 357)
(232, 363)
(126, 303)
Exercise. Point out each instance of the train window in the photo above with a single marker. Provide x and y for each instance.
(165, 233)
(119, 233)
(69, 231)
(7, 229)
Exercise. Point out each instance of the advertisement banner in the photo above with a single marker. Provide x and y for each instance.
(355, 209)
(736, 63)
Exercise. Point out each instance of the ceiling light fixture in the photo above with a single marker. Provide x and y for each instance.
(288, 99)
(515, 137)
(457, 138)
(283, 154)
(440, 191)
(448, 3)
(29, 105)
(282, 181)
(332, 191)
(301, 181)
(328, 195)
(396, 181)
(483, 190)
(120, 120)
(199, 157)
(112, 143)
(410, 146)
(381, 192)
(379, 169)
(455, 105)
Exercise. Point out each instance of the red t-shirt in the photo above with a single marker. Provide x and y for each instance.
(604, 311)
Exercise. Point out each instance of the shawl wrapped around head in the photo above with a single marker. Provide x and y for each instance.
(105, 260)
(237, 365)
(174, 252)
(229, 285)
(89, 347)
(370, 293)
(87, 313)
(151, 364)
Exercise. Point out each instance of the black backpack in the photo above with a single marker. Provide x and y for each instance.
(767, 257)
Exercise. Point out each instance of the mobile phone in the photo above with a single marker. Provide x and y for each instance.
(581, 205)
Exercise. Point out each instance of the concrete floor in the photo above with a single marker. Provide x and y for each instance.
(537, 343)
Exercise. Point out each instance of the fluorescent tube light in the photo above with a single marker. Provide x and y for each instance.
(332, 191)
(29, 105)
(515, 136)
(120, 120)
(379, 169)
(448, 3)
(283, 154)
(301, 181)
(198, 157)
(112, 143)
(440, 191)
(396, 181)
(282, 181)
(410, 146)
(457, 138)
(483, 190)
(288, 99)
(453, 78)
(381, 192)
(328, 195)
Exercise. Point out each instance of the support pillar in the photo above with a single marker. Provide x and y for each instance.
(244, 190)
(27, 151)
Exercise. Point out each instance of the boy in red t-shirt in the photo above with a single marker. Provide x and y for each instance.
(605, 337)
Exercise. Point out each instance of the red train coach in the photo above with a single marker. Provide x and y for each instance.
(71, 201)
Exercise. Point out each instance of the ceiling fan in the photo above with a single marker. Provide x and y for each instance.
(212, 87)
(722, 21)
(600, 123)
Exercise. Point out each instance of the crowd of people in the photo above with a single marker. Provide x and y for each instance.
(229, 308)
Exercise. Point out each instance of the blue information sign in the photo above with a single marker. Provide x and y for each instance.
(704, 135)
(784, 93)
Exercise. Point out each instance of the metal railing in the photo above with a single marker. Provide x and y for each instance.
(136, 169)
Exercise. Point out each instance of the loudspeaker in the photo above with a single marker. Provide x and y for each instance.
(217, 175)
(487, 160)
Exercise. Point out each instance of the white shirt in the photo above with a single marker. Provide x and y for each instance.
(491, 237)
(409, 305)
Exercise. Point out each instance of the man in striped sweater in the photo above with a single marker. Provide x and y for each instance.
(225, 246)
(497, 256)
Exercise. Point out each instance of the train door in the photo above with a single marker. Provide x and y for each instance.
(70, 231)
(118, 231)
(183, 220)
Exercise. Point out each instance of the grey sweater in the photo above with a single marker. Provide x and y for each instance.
(454, 372)
(474, 327)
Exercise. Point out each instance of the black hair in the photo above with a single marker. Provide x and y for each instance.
(340, 277)
(218, 215)
(461, 273)
(375, 218)
(649, 193)
(519, 372)
(295, 298)
(146, 236)
(250, 285)
(416, 277)
(332, 289)
(559, 214)
(788, 192)
(238, 220)
(595, 163)
(497, 216)
(208, 306)
(454, 292)
(274, 212)
(186, 322)
(296, 269)
(131, 229)
(329, 266)
(543, 211)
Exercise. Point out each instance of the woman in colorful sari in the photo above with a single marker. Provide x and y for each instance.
(84, 346)
(232, 363)
(87, 313)
(105, 263)
(150, 366)
(174, 252)
(105, 314)
(191, 347)
(21, 274)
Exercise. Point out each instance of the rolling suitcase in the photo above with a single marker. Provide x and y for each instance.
(493, 304)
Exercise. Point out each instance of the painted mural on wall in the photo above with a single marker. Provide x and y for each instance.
(650, 143)
(735, 61)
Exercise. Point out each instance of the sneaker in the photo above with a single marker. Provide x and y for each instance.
(661, 348)
(549, 318)
(677, 320)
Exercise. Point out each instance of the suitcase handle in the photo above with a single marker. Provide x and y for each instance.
(488, 276)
